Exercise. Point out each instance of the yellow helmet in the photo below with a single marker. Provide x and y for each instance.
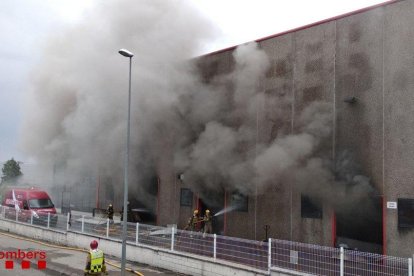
(207, 211)
(195, 212)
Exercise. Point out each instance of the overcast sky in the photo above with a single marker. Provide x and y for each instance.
(26, 25)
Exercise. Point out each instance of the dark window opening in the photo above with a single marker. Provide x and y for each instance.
(143, 201)
(186, 197)
(240, 202)
(405, 213)
(310, 207)
(359, 225)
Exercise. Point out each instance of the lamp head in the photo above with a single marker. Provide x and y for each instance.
(126, 53)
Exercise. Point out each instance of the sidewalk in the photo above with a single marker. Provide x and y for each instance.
(60, 261)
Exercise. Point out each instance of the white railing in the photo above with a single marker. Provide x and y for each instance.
(320, 260)
(47, 220)
(307, 258)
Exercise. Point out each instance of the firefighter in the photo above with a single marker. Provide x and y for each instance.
(208, 222)
(193, 221)
(95, 261)
(110, 213)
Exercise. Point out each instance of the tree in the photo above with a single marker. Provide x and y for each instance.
(11, 171)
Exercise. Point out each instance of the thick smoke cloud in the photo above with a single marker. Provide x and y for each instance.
(76, 117)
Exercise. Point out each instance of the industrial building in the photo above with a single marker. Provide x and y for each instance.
(362, 65)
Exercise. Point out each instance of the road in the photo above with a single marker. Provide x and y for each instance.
(59, 261)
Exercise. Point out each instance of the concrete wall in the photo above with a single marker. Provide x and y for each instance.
(398, 86)
(274, 204)
(166, 199)
(171, 260)
(359, 67)
(314, 80)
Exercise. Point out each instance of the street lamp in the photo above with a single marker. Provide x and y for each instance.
(128, 54)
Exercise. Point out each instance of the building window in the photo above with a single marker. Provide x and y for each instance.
(405, 213)
(186, 197)
(240, 202)
(310, 207)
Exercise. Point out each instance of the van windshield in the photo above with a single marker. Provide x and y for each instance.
(40, 203)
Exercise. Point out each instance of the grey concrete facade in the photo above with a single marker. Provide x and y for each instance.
(368, 55)
(398, 86)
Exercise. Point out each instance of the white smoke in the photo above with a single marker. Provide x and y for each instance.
(76, 116)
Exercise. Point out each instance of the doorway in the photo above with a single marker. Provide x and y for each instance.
(213, 201)
(359, 226)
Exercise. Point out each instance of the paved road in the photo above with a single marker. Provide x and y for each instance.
(59, 261)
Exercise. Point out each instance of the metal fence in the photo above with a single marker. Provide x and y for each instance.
(311, 259)
(320, 260)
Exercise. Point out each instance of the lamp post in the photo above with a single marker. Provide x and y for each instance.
(128, 54)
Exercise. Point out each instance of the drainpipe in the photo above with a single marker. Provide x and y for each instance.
(225, 214)
(333, 228)
(158, 201)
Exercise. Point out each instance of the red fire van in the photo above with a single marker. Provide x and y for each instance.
(32, 199)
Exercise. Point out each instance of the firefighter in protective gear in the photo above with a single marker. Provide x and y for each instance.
(208, 222)
(95, 261)
(193, 222)
(110, 213)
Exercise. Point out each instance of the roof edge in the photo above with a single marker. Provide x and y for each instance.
(307, 26)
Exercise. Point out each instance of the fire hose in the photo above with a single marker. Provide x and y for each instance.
(69, 248)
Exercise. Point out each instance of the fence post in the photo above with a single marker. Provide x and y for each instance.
(68, 221)
(410, 267)
(83, 222)
(136, 233)
(215, 247)
(341, 266)
(31, 218)
(107, 227)
(17, 215)
(48, 220)
(269, 255)
(172, 238)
